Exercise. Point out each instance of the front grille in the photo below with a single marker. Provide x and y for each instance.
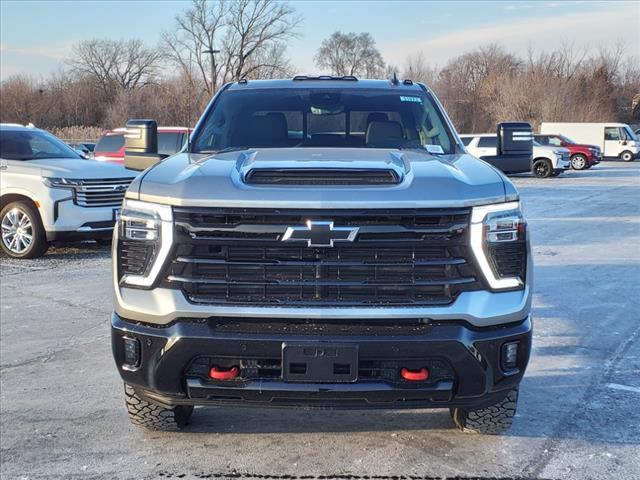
(509, 259)
(399, 258)
(103, 192)
(134, 257)
(321, 176)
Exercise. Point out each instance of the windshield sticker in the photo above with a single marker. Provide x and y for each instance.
(411, 99)
(434, 149)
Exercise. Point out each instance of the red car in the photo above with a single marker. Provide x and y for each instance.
(582, 156)
(110, 147)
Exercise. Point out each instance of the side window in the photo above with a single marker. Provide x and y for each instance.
(110, 143)
(612, 133)
(466, 141)
(555, 141)
(168, 142)
(488, 142)
(542, 140)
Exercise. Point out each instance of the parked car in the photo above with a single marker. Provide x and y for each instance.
(48, 192)
(84, 148)
(336, 246)
(582, 156)
(110, 146)
(615, 140)
(547, 161)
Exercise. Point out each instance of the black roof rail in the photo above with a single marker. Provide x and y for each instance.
(348, 78)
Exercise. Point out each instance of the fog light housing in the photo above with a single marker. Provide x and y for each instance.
(131, 352)
(510, 356)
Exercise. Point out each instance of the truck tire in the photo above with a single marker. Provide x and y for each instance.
(542, 168)
(152, 416)
(626, 156)
(579, 162)
(23, 235)
(493, 420)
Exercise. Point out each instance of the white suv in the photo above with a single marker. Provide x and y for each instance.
(547, 161)
(48, 192)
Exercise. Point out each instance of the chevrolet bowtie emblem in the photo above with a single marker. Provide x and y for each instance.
(320, 234)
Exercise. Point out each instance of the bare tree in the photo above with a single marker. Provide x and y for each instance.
(218, 41)
(350, 54)
(116, 64)
(418, 69)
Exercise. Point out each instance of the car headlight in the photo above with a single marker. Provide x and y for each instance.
(144, 239)
(499, 244)
(57, 182)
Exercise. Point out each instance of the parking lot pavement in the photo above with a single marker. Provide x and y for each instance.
(62, 413)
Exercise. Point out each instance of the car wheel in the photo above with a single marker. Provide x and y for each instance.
(492, 420)
(155, 417)
(626, 156)
(542, 168)
(579, 162)
(23, 235)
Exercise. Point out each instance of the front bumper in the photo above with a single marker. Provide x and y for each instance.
(465, 362)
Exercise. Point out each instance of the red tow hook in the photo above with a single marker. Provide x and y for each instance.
(415, 375)
(218, 373)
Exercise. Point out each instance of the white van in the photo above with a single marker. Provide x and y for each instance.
(616, 140)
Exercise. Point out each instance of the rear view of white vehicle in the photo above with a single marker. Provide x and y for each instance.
(49, 193)
(548, 161)
(616, 140)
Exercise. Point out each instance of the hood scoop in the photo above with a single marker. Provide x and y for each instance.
(322, 176)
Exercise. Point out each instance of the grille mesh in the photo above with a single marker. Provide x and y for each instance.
(400, 258)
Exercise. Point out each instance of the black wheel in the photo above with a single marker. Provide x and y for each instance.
(493, 420)
(23, 235)
(626, 156)
(579, 162)
(152, 416)
(542, 168)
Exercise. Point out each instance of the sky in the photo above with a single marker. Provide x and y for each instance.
(37, 35)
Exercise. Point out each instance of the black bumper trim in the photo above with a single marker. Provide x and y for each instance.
(473, 354)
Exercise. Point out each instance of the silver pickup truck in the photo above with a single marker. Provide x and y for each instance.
(320, 242)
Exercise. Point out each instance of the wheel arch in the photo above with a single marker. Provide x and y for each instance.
(8, 198)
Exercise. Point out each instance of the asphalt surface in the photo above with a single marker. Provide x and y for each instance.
(62, 413)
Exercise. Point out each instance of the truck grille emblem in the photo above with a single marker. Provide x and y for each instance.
(320, 234)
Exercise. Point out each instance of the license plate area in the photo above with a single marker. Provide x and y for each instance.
(319, 363)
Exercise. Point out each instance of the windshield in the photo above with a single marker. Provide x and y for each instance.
(629, 133)
(324, 118)
(33, 145)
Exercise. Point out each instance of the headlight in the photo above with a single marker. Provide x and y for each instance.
(499, 244)
(145, 235)
(56, 182)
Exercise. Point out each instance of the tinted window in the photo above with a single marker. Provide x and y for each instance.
(169, 143)
(321, 117)
(110, 143)
(466, 140)
(543, 140)
(489, 142)
(32, 145)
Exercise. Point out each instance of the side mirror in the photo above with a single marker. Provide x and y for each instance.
(141, 145)
(515, 147)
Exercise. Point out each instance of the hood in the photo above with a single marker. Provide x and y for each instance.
(425, 180)
(81, 168)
